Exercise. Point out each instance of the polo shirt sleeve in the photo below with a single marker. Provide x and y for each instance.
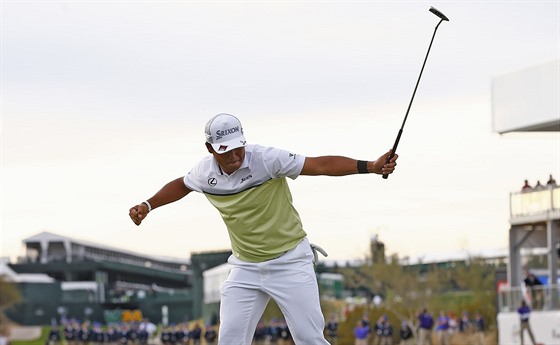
(282, 163)
(193, 179)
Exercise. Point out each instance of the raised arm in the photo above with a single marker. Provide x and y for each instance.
(171, 192)
(341, 166)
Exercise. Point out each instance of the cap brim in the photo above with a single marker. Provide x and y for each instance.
(227, 146)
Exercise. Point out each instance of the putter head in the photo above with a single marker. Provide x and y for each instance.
(438, 13)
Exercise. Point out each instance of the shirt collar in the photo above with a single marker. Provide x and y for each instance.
(216, 168)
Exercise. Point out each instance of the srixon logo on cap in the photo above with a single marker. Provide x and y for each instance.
(223, 133)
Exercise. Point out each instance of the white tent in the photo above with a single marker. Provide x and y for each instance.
(213, 280)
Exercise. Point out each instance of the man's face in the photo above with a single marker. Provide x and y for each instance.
(229, 161)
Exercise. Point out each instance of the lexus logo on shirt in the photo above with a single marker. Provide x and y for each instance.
(212, 181)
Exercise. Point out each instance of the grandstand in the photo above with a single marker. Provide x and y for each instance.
(92, 281)
(528, 101)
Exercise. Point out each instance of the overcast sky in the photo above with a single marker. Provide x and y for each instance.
(105, 102)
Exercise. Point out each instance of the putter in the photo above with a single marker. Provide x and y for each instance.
(394, 150)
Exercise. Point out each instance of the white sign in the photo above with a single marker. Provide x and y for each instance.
(544, 324)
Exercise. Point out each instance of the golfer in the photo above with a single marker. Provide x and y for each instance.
(272, 257)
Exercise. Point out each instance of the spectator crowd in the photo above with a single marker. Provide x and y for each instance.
(275, 332)
(75, 332)
(426, 331)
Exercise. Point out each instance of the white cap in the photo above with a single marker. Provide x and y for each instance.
(225, 133)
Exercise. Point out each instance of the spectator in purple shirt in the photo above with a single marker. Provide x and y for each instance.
(442, 328)
(361, 333)
(524, 312)
(425, 324)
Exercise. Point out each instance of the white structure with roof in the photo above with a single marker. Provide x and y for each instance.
(529, 101)
(214, 278)
(9, 275)
(49, 247)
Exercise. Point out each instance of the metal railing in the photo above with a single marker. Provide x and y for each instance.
(540, 297)
(534, 202)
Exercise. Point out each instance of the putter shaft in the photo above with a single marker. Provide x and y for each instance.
(396, 144)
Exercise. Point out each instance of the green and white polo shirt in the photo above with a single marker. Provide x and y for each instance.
(255, 201)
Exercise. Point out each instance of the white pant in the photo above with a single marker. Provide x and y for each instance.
(289, 280)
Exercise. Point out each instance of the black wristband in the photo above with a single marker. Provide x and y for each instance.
(362, 167)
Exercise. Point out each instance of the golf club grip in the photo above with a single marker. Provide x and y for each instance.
(393, 151)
